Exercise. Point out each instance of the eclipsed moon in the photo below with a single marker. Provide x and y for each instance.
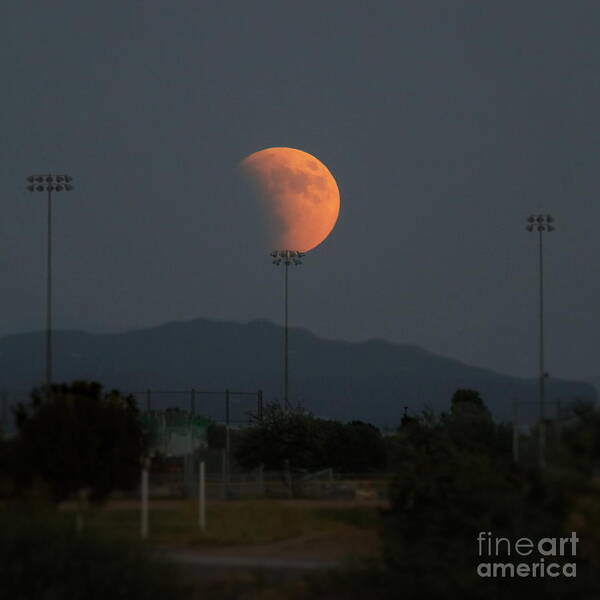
(299, 196)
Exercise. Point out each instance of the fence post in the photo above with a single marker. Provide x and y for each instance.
(148, 400)
(202, 497)
(227, 407)
(188, 471)
(144, 516)
(227, 444)
(260, 480)
(223, 473)
(260, 405)
(3, 422)
(288, 477)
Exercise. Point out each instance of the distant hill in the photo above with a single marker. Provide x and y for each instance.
(595, 381)
(371, 380)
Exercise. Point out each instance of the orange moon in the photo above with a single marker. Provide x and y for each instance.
(299, 195)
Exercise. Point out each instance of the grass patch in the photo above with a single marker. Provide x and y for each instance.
(236, 523)
(232, 523)
(364, 518)
(42, 557)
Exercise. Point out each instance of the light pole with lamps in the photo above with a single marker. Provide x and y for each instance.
(49, 183)
(541, 224)
(287, 257)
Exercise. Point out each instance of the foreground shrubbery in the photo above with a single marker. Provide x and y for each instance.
(75, 437)
(454, 479)
(43, 558)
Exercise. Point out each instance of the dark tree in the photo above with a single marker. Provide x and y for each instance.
(470, 426)
(78, 437)
(363, 449)
(298, 440)
(468, 402)
(284, 438)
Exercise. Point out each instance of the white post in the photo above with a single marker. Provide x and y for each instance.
(224, 473)
(144, 522)
(202, 498)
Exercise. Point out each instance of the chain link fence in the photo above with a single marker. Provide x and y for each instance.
(227, 407)
(174, 478)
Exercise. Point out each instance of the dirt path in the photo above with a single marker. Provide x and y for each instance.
(324, 547)
(199, 562)
(174, 504)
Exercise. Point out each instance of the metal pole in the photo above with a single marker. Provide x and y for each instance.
(287, 256)
(558, 425)
(49, 299)
(285, 349)
(3, 424)
(516, 431)
(542, 431)
(542, 375)
(49, 183)
(541, 223)
(144, 520)
(190, 462)
(148, 400)
(202, 498)
(260, 480)
(193, 402)
(223, 473)
(227, 445)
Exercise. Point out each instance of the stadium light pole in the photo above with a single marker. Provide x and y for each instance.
(286, 257)
(49, 183)
(541, 224)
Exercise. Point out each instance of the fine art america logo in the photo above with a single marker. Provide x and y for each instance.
(546, 557)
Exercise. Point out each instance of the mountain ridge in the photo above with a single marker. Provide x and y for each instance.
(371, 380)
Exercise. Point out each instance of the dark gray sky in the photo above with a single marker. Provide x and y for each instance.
(444, 122)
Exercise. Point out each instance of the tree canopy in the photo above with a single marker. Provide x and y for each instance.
(78, 437)
(299, 440)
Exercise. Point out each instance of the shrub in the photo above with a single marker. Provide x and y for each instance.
(42, 558)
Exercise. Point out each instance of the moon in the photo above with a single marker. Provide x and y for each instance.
(299, 197)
